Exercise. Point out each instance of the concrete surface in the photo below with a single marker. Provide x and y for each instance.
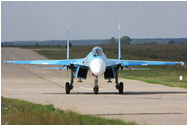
(141, 102)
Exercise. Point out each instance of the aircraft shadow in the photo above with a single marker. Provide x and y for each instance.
(125, 93)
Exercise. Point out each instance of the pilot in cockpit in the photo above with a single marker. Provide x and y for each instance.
(97, 51)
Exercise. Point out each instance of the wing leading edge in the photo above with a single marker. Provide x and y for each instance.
(44, 62)
(145, 63)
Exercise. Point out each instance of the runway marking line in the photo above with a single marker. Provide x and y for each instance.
(86, 88)
(53, 77)
(44, 73)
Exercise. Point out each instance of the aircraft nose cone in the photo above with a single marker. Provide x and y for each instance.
(98, 66)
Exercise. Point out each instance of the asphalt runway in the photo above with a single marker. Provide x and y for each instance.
(141, 102)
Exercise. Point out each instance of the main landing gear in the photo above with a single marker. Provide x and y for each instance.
(69, 86)
(118, 86)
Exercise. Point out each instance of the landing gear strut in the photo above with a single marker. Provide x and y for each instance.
(69, 86)
(118, 86)
(96, 87)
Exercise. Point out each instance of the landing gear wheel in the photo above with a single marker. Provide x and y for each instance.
(120, 88)
(67, 88)
(96, 89)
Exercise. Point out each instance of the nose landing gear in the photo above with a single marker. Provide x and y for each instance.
(96, 87)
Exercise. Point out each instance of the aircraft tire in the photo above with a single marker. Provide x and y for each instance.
(96, 89)
(120, 88)
(67, 88)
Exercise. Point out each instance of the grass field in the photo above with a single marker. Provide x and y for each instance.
(18, 112)
(166, 75)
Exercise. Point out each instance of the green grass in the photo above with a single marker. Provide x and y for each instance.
(166, 75)
(176, 52)
(19, 112)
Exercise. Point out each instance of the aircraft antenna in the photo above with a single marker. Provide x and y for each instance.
(119, 44)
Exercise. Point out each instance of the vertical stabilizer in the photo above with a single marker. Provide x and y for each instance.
(67, 40)
(119, 44)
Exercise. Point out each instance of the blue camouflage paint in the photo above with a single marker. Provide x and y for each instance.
(138, 63)
(44, 62)
(87, 60)
(119, 45)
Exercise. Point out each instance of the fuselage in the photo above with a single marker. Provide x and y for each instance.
(97, 61)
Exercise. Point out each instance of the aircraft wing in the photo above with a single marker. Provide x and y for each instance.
(45, 62)
(145, 63)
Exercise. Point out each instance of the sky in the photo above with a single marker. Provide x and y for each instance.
(22, 21)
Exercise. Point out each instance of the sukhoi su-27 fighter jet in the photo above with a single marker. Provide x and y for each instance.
(97, 62)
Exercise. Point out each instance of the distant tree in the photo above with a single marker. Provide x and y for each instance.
(112, 41)
(125, 40)
(70, 45)
(182, 43)
(154, 56)
(36, 44)
(153, 42)
(171, 42)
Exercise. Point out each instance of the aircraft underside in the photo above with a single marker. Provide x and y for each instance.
(81, 72)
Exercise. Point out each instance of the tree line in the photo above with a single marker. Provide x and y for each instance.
(123, 40)
(128, 40)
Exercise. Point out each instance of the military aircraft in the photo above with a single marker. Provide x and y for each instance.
(97, 62)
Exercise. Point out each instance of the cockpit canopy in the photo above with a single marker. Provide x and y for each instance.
(97, 51)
